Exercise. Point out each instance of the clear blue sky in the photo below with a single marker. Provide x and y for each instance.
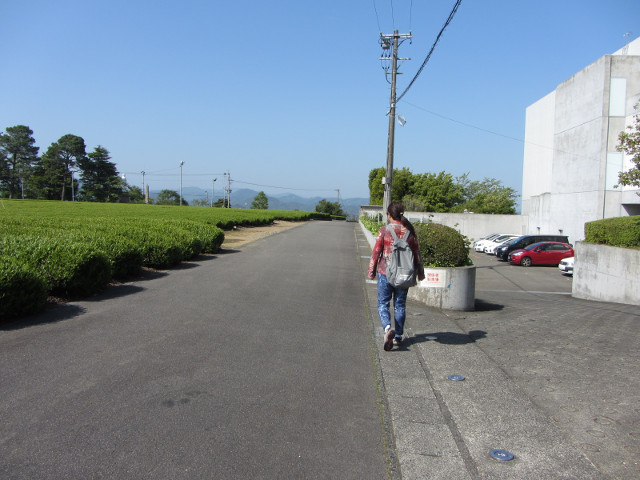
(292, 93)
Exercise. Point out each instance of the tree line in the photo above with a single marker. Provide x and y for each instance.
(52, 176)
(442, 192)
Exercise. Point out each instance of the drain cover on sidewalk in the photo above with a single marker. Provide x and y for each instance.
(502, 455)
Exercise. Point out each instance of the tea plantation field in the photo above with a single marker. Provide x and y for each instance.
(74, 249)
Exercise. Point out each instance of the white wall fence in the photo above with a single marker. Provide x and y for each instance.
(471, 225)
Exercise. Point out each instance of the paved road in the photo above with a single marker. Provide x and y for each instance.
(268, 363)
(253, 364)
(552, 379)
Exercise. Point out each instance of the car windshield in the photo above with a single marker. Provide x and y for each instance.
(532, 246)
(512, 241)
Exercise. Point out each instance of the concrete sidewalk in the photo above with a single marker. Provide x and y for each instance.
(551, 379)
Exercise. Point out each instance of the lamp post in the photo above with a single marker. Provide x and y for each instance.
(181, 163)
(213, 184)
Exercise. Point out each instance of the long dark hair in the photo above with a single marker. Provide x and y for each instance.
(396, 210)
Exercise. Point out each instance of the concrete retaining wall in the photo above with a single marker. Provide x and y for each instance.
(471, 225)
(607, 274)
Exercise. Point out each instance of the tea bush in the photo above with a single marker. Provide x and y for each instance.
(73, 249)
(22, 292)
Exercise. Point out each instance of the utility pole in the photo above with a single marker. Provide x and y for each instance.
(228, 188)
(181, 163)
(391, 42)
(146, 197)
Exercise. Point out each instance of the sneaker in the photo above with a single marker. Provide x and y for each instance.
(388, 339)
(397, 341)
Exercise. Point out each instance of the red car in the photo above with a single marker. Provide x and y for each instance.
(542, 253)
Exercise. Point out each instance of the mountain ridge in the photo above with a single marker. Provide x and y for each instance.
(243, 197)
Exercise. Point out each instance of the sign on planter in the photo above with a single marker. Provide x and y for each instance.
(434, 278)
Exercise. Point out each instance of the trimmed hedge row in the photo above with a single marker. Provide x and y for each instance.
(616, 232)
(22, 291)
(73, 250)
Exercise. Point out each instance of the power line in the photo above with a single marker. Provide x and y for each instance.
(393, 17)
(520, 140)
(446, 24)
(377, 17)
(285, 188)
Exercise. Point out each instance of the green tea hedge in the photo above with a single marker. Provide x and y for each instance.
(73, 249)
(22, 292)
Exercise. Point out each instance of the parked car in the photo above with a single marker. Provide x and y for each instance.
(478, 245)
(502, 252)
(566, 266)
(543, 253)
(490, 248)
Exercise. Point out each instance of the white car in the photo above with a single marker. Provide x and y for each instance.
(490, 248)
(566, 266)
(478, 245)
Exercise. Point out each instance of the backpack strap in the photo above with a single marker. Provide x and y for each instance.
(393, 232)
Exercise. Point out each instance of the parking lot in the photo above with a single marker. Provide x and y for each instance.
(494, 275)
(577, 360)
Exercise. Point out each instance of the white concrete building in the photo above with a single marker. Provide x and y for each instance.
(570, 159)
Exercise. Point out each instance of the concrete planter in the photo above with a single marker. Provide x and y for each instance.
(447, 288)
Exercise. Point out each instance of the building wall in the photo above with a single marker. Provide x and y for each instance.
(571, 163)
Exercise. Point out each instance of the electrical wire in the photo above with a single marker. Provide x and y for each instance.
(377, 18)
(393, 17)
(446, 24)
(520, 140)
(285, 188)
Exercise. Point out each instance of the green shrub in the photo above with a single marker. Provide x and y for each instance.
(442, 246)
(68, 269)
(21, 291)
(617, 232)
(373, 225)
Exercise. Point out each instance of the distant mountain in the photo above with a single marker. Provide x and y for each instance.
(242, 198)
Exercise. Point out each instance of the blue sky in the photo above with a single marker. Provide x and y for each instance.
(291, 93)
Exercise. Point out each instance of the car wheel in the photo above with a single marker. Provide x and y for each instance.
(526, 262)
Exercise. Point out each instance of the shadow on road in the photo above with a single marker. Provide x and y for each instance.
(482, 306)
(449, 338)
(53, 314)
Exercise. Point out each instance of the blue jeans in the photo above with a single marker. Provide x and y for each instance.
(385, 292)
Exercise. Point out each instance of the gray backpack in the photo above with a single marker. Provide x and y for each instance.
(401, 270)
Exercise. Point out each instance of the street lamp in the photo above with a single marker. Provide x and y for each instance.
(213, 184)
(181, 163)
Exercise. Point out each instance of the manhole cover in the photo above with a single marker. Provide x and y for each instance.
(502, 455)
(456, 378)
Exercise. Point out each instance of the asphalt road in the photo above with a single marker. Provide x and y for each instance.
(267, 362)
(255, 363)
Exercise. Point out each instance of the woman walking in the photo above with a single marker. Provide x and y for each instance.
(379, 258)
